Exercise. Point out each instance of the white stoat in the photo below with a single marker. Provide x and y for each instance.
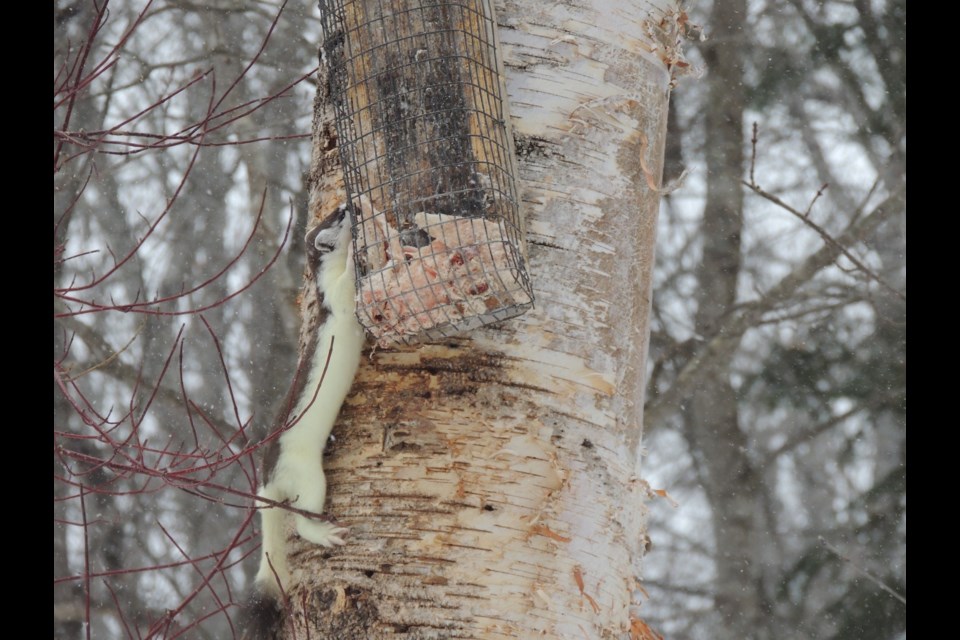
(292, 466)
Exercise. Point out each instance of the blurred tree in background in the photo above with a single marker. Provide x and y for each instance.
(180, 144)
(776, 409)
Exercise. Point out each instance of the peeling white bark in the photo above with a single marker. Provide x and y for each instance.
(484, 478)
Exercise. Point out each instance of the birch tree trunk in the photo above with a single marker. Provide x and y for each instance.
(492, 483)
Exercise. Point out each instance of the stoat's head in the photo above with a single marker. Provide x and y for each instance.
(331, 236)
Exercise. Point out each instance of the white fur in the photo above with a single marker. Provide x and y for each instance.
(298, 475)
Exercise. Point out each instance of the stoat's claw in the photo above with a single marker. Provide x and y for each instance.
(325, 534)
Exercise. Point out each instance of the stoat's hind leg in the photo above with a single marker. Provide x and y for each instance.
(312, 494)
(273, 576)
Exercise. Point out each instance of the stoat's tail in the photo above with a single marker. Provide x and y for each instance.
(261, 615)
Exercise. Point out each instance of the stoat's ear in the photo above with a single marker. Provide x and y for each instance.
(323, 238)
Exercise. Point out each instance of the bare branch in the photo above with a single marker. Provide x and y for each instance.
(827, 238)
(726, 339)
(869, 576)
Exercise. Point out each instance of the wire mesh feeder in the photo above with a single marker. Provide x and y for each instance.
(428, 157)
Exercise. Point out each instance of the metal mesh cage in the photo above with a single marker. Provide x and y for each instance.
(428, 162)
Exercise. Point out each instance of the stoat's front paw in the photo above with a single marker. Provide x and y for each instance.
(325, 534)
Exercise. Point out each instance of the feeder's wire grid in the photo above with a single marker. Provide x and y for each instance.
(428, 161)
